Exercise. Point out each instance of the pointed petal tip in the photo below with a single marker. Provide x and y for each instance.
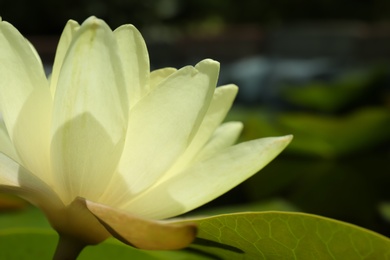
(278, 143)
(287, 139)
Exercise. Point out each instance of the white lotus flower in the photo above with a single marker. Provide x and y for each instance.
(104, 134)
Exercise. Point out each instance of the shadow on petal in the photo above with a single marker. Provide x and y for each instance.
(84, 157)
(143, 233)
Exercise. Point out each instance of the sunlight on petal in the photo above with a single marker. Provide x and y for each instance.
(6, 146)
(219, 107)
(135, 61)
(157, 76)
(17, 180)
(90, 113)
(62, 48)
(225, 135)
(162, 125)
(26, 106)
(183, 192)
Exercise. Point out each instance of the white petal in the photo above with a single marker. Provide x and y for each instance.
(90, 113)
(157, 76)
(16, 179)
(135, 61)
(63, 45)
(6, 146)
(35, 53)
(208, 179)
(225, 135)
(25, 100)
(161, 125)
(220, 105)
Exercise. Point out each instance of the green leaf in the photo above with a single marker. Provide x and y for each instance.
(275, 204)
(278, 235)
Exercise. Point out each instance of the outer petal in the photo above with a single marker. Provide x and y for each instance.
(62, 48)
(207, 179)
(135, 61)
(90, 113)
(225, 135)
(25, 100)
(143, 233)
(161, 126)
(16, 179)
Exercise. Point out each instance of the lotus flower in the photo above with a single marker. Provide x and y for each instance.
(104, 147)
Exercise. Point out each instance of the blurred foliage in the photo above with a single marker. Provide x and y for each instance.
(342, 92)
(49, 17)
(337, 165)
(325, 136)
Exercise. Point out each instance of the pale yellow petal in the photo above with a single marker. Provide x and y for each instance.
(63, 45)
(225, 135)
(25, 100)
(157, 76)
(220, 105)
(35, 52)
(90, 113)
(135, 60)
(207, 179)
(6, 146)
(161, 126)
(17, 180)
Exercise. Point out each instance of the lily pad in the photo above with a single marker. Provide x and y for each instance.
(281, 235)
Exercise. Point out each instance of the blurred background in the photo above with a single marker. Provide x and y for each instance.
(316, 69)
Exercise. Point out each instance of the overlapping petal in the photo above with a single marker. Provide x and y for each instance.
(90, 113)
(18, 180)
(224, 136)
(25, 101)
(6, 145)
(162, 124)
(220, 105)
(157, 76)
(208, 179)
